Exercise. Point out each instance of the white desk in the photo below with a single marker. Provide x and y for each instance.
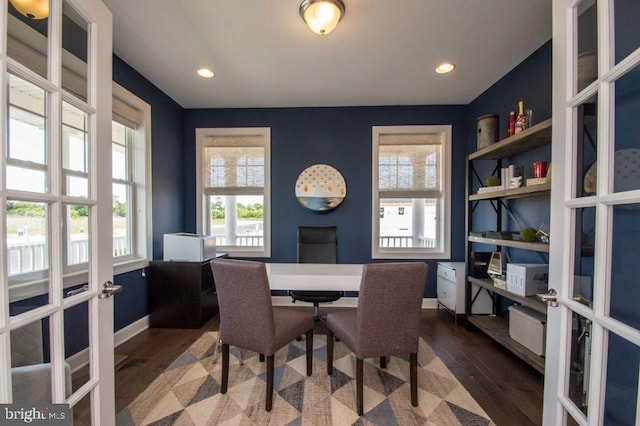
(314, 276)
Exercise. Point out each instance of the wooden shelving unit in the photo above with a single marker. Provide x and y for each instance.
(527, 140)
(498, 329)
(541, 247)
(495, 326)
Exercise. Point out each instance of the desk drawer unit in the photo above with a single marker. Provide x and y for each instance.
(451, 291)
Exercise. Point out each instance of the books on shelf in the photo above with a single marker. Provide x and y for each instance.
(506, 176)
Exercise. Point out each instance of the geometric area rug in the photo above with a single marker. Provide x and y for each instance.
(188, 391)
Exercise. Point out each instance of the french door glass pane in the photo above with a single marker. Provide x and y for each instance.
(75, 151)
(76, 339)
(586, 152)
(627, 37)
(621, 393)
(580, 351)
(583, 265)
(27, 40)
(30, 368)
(587, 25)
(237, 220)
(408, 222)
(27, 246)
(26, 142)
(625, 291)
(77, 231)
(121, 220)
(75, 49)
(627, 128)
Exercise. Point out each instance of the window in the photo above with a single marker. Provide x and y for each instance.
(233, 171)
(131, 174)
(411, 192)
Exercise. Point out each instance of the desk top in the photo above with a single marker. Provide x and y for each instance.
(314, 276)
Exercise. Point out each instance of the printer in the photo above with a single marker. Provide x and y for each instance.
(183, 246)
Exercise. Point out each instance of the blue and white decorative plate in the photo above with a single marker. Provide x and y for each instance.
(320, 188)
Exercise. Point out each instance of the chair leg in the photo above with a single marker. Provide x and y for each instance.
(413, 378)
(269, 397)
(261, 357)
(329, 352)
(316, 312)
(225, 368)
(383, 362)
(359, 385)
(309, 337)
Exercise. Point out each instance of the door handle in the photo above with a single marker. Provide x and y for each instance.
(109, 289)
(550, 297)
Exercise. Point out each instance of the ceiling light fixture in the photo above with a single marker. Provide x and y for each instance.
(322, 16)
(205, 72)
(32, 9)
(445, 68)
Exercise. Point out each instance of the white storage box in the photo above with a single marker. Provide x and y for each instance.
(528, 327)
(183, 246)
(526, 279)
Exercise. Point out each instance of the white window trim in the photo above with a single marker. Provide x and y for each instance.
(201, 134)
(143, 238)
(443, 251)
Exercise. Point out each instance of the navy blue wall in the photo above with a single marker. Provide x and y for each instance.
(167, 185)
(340, 137)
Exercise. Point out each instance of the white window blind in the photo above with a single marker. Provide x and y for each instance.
(234, 165)
(409, 165)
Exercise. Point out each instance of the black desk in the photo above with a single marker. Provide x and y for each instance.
(181, 294)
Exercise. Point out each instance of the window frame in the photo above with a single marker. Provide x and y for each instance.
(443, 202)
(201, 201)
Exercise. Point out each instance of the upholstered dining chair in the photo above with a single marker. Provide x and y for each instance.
(317, 244)
(386, 321)
(249, 321)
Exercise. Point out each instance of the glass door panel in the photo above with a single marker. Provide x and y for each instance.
(583, 255)
(626, 173)
(75, 42)
(626, 14)
(625, 291)
(580, 361)
(587, 60)
(621, 393)
(587, 146)
(27, 35)
(30, 363)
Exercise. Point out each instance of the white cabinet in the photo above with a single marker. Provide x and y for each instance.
(451, 291)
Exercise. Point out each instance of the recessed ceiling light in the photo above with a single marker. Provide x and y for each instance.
(445, 68)
(205, 72)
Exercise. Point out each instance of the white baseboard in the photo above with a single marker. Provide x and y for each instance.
(344, 302)
(81, 358)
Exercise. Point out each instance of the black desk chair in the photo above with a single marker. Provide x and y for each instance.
(317, 245)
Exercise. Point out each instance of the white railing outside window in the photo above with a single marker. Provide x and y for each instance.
(31, 256)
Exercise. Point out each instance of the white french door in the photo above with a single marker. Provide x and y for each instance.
(593, 336)
(55, 196)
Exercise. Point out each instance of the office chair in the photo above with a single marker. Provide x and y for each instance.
(249, 321)
(386, 321)
(317, 245)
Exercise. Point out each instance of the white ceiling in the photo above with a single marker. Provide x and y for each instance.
(383, 52)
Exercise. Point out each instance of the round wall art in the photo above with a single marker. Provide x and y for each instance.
(320, 188)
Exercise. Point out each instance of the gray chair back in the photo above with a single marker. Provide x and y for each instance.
(389, 305)
(317, 244)
(244, 299)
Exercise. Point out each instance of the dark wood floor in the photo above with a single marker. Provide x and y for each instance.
(509, 390)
